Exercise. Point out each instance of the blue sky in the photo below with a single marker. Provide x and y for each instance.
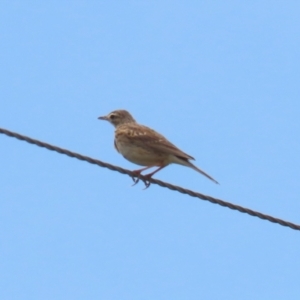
(220, 79)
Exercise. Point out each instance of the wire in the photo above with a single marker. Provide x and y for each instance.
(151, 180)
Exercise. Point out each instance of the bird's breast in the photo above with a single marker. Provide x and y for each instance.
(137, 153)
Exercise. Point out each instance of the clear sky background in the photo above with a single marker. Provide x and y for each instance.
(220, 79)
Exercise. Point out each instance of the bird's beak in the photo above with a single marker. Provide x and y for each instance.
(103, 118)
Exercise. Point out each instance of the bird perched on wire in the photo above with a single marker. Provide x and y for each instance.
(145, 147)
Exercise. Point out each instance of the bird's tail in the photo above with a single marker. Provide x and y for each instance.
(189, 164)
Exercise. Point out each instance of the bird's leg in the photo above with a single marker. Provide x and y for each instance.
(148, 176)
(138, 173)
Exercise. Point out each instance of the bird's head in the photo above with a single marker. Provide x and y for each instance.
(118, 117)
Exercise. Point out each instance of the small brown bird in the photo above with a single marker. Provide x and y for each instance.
(144, 146)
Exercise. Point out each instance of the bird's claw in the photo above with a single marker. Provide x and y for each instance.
(147, 184)
(137, 179)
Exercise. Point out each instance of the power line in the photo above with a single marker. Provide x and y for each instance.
(151, 180)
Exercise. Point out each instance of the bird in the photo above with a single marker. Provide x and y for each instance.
(143, 146)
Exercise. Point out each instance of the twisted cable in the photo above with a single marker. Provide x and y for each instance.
(151, 180)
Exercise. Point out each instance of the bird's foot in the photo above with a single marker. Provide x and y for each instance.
(146, 181)
(137, 179)
(147, 184)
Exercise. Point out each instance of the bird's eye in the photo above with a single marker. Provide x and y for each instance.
(112, 117)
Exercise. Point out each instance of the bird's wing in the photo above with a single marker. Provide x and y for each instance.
(147, 138)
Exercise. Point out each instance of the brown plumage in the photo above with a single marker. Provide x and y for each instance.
(144, 146)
